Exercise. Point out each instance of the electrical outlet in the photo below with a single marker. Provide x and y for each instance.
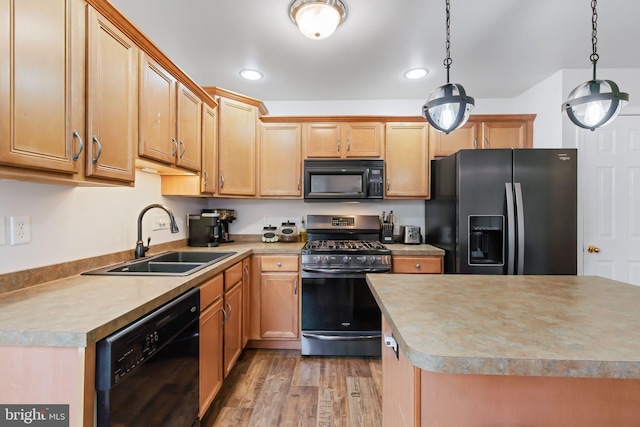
(160, 222)
(3, 236)
(20, 229)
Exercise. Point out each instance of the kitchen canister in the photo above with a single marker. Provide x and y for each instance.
(288, 232)
(270, 234)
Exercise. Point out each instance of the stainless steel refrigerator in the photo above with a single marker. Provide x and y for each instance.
(505, 211)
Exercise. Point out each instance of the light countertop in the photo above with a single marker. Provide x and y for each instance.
(567, 326)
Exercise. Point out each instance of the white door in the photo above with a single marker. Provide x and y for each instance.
(610, 180)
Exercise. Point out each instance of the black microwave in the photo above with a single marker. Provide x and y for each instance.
(341, 180)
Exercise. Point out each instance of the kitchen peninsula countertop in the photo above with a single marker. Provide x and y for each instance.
(557, 326)
(77, 311)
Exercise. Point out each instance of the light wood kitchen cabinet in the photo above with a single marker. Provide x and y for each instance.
(232, 311)
(42, 63)
(343, 140)
(486, 131)
(280, 160)
(237, 124)
(246, 299)
(418, 264)
(112, 101)
(279, 296)
(170, 118)
(211, 341)
(407, 165)
(400, 387)
(209, 149)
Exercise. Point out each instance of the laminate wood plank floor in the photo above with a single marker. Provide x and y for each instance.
(280, 388)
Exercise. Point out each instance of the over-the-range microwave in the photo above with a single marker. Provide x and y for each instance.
(343, 180)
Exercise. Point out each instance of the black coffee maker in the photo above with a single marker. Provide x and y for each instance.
(210, 227)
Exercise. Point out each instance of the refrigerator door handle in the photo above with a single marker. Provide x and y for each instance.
(520, 214)
(511, 229)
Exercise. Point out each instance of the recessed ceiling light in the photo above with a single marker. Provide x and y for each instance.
(251, 74)
(416, 73)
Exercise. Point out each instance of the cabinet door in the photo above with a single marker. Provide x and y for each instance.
(407, 160)
(400, 387)
(280, 159)
(323, 140)
(363, 139)
(157, 131)
(246, 300)
(505, 134)
(279, 305)
(464, 138)
(112, 101)
(237, 148)
(210, 354)
(41, 84)
(232, 327)
(209, 149)
(189, 117)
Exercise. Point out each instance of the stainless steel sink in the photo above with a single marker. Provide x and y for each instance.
(177, 263)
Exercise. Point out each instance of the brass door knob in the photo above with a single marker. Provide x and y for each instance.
(591, 249)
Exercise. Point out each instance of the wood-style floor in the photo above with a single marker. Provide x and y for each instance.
(281, 388)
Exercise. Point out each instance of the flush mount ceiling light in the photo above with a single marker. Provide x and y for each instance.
(597, 102)
(317, 19)
(416, 73)
(250, 74)
(448, 106)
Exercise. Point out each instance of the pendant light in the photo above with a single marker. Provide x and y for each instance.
(597, 102)
(317, 19)
(448, 106)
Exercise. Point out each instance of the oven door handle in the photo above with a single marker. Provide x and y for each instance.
(341, 337)
(338, 270)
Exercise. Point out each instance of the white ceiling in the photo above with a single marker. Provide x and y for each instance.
(499, 48)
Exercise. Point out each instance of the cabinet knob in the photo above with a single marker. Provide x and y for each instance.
(279, 264)
(418, 266)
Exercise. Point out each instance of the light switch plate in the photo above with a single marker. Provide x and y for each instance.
(3, 230)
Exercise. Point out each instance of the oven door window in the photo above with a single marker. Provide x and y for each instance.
(338, 304)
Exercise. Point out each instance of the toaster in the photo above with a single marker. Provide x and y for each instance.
(412, 235)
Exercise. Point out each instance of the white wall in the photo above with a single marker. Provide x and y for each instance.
(69, 223)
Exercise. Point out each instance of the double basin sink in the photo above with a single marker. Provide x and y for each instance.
(178, 263)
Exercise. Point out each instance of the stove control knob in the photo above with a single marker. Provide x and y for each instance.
(317, 259)
(372, 260)
(362, 259)
(345, 260)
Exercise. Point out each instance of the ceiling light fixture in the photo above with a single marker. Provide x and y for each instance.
(250, 74)
(317, 19)
(597, 102)
(416, 73)
(448, 106)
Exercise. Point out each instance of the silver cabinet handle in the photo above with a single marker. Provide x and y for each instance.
(295, 287)
(184, 149)
(230, 309)
(225, 317)
(97, 141)
(206, 177)
(298, 183)
(338, 146)
(348, 144)
(175, 146)
(388, 184)
(246, 272)
(221, 181)
(486, 143)
(475, 143)
(76, 156)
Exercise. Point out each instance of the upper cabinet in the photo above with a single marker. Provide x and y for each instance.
(209, 149)
(407, 160)
(486, 131)
(280, 160)
(112, 101)
(42, 45)
(343, 140)
(170, 118)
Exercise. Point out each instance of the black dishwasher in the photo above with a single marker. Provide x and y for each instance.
(147, 373)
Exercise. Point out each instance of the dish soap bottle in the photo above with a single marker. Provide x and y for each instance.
(302, 232)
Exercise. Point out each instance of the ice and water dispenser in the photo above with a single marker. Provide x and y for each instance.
(486, 240)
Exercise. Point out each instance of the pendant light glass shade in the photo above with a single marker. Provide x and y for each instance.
(595, 103)
(317, 19)
(448, 107)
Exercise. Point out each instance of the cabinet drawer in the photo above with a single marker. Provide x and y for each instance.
(210, 291)
(279, 263)
(417, 264)
(232, 275)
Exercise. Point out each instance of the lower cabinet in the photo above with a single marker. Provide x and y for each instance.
(211, 341)
(418, 264)
(232, 311)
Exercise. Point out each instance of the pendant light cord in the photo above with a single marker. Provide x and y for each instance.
(447, 61)
(594, 36)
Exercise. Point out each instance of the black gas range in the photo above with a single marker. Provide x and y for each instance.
(340, 317)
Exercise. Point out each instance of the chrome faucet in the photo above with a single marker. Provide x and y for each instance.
(141, 249)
